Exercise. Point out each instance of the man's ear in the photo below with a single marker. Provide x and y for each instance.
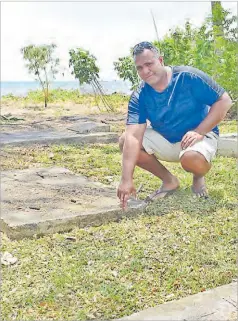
(161, 60)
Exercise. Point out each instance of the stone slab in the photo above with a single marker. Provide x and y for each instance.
(219, 304)
(227, 145)
(89, 127)
(55, 137)
(41, 201)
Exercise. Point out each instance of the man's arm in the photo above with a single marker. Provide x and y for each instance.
(216, 114)
(132, 146)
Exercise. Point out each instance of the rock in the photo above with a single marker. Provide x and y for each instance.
(8, 259)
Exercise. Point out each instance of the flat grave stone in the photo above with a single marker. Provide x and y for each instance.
(49, 200)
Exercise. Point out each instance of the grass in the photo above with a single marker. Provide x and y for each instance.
(61, 96)
(179, 246)
(228, 126)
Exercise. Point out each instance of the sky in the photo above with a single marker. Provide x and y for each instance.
(107, 29)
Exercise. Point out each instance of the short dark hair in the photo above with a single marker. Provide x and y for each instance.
(141, 46)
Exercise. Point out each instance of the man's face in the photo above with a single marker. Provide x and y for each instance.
(149, 67)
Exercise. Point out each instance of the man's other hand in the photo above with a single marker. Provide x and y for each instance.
(125, 189)
(190, 138)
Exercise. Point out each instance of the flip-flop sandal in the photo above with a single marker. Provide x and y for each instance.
(201, 192)
(160, 193)
(135, 203)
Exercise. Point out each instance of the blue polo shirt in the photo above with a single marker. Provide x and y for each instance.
(181, 107)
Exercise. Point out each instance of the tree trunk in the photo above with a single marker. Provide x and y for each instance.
(47, 95)
(155, 26)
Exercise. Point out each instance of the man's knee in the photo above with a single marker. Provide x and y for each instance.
(195, 163)
(121, 141)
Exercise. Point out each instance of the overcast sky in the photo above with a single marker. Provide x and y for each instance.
(106, 29)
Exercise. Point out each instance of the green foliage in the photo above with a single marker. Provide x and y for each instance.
(83, 65)
(42, 64)
(126, 70)
(214, 52)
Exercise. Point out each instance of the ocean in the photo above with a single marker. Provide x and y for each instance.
(21, 88)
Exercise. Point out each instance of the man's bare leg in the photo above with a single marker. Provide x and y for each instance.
(152, 165)
(196, 164)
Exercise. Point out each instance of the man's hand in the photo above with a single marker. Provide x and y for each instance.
(124, 191)
(190, 138)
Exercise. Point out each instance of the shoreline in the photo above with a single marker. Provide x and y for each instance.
(23, 88)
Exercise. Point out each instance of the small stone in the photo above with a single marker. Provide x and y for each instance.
(8, 259)
(51, 155)
(115, 273)
(170, 296)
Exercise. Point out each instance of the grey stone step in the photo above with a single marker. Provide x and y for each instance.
(49, 200)
(219, 304)
(52, 137)
(83, 132)
(227, 145)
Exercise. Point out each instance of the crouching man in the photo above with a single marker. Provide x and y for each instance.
(184, 106)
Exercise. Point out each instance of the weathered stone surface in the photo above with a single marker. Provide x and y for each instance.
(55, 137)
(219, 304)
(227, 145)
(49, 200)
(89, 127)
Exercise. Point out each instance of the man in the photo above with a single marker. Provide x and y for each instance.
(184, 106)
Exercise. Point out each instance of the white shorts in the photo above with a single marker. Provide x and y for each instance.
(154, 143)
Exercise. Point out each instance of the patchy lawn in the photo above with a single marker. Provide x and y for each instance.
(228, 126)
(179, 246)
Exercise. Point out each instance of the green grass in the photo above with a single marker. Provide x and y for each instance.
(228, 126)
(179, 246)
(115, 101)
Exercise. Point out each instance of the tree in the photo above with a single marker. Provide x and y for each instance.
(83, 65)
(126, 70)
(42, 63)
(217, 18)
(84, 68)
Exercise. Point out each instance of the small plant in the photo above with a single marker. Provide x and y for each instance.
(84, 69)
(42, 64)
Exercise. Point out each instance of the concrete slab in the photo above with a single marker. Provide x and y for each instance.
(89, 127)
(227, 145)
(49, 200)
(219, 304)
(83, 132)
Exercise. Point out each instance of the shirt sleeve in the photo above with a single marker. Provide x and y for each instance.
(204, 88)
(136, 109)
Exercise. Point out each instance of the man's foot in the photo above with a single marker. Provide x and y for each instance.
(199, 187)
(171, 184)
(167, 188)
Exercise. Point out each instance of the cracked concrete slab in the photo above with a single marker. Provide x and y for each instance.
(89, 127)
(83, 132)
(219, 304)
(227, 145)
(49, 200)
